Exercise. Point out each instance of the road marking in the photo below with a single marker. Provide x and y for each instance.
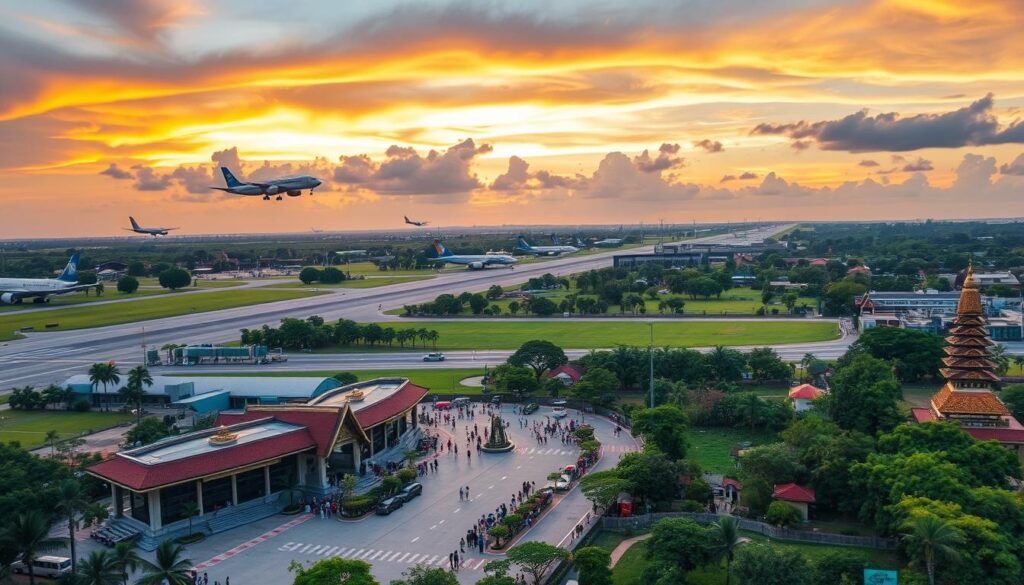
(415, 539)
(432, 560)
(440, 522)
(456, 511)
(380, 552)
(504, 477)
(354, 554)
(306, 548)
(480, 564)
(363, 556)
(433, 527)
(393, 557)
(490, 487)
(413, 558)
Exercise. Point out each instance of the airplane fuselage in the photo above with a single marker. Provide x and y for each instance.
(475, 261)
(292, 186)
(549, 250)
(151, 231)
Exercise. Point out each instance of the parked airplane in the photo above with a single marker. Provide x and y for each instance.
(525, 248)
(609, 243)
(41, 290)
(416, 223)
(472, 261)
(292, 186)
(153, 231)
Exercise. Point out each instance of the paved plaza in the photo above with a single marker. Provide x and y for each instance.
(428, 528)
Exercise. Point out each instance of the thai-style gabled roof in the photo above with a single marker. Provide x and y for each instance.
(964, 341)
(965, 374)
(950, 401)
(960, 361)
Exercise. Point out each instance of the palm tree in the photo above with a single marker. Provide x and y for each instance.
(750, 407)
(931, 539)
(727, 535)
(70, 501)
(191, 509)
(169, 567)
(52, 437)
(104, 373)
(433, 336)
(99, 568)
(135, 391)
(29, 535)
(127, 559)
(1001, 359)
(1018, 360)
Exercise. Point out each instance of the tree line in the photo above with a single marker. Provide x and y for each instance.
(313, 333)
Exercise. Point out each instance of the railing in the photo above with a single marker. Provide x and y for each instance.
(644, 521)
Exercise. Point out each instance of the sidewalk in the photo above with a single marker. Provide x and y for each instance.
(624, 546)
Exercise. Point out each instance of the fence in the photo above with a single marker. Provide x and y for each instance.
(643, 521)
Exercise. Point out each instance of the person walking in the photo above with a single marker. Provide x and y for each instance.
(457, 564)
(451, 560)
(467, 492)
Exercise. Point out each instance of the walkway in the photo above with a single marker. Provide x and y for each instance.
(625, 545)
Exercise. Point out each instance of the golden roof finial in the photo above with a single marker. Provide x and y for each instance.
(970, 296)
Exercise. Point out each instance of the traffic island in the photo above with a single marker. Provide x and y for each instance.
(498, 441)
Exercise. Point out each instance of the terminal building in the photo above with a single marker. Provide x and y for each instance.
(203, 394)
(680, 254)
(258, 458)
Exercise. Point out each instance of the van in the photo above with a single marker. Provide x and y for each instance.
(460, 402)
(45, 566)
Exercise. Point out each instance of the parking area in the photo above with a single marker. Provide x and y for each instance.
(428, 528)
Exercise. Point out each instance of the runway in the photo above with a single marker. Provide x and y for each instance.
(44, 358)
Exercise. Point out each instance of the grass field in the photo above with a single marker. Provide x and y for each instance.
(509, 334)
(29, 427)
(630, 568)
(203, 283)
(369, 282)
(155, 308)
(370, 269)
(712, 447)
(438, 380)
(148, 287)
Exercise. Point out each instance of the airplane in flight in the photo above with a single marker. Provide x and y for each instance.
(416, 223)
(291, 186)
(471, 261)
(14, 290)
(153, 231)
(523, 247)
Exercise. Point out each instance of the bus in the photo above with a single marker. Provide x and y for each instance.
(45, 566)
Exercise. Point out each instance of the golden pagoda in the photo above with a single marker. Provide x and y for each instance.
(967, 396)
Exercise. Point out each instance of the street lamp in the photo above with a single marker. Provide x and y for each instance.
(650, 354)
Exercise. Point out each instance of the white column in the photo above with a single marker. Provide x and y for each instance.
(300, 468)
(155, 521)
(199, 496)
(234, 491)
(266, 481)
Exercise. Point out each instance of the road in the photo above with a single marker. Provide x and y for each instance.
(43, 358)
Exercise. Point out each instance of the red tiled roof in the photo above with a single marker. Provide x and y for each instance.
(732, 482)
(950, 401)
(805, 391)
(568, 369)
(1002, 435)
(923, 414)
(791, 492)
(393, 405)
(321, 422)
(138, 476)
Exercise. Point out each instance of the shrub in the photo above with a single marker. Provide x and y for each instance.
(405, 475)
(174, 278)
(390, 484)
(585, 433)
(691, 506)
(590, 446)
(527, 507)
(513, 521)
(782, 514)
(498, 531)
(309, 275)
(331, 275)
(127, 284)
(81, 405)
(356, 505)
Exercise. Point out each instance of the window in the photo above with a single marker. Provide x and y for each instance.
(282, 474)
(140, 507)
(216, 494)
(250, 485)
(175, 499)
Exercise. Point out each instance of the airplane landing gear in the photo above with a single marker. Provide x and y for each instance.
(279, 198)
(266, 197)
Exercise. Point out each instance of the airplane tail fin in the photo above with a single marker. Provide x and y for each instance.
(440, 249)
(521, 244)
(229, 178)
(135, 224)
(556, 240)
(70, 273)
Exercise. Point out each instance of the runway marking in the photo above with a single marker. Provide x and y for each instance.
(490, 487)
(440, 522)
(504, 477)
(415, 539)
(433, 527)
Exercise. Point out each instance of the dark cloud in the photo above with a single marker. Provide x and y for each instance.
(194, 179)
(973, 125)
(147, 179)
(519, 178)
(405, 172)
(515, 177)
(141, 19)
(896, 158)
(867, 163)
(799, 145)
(709, 145)
(920, 165)
(117, 172)
(747, 176)
(1014, 168)
(663, 162)
(727, 178)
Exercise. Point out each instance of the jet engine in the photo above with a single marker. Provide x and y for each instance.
(8, 299)
(476, 265)
(272, 190)
(294, 193)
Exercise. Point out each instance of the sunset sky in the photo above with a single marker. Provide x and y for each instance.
(477, 112)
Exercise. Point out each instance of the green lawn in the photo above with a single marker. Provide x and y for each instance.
(148, 287)
(203, 283)
(630, 567)
(369, 282)
(509, 334)
(438, 380)
(712, 447)
(370, 269)
(29, 427)
(155, 308)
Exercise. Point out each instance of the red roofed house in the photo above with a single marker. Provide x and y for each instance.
(967, 398)
(568, 374)
(803, 396)
(245, 469)
(795, 495)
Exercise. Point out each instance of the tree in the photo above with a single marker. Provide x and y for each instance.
(917, 354)
(190, 510)
(597, 386)
(761, 564)
(104, 373)
(147, 431)
(175, 278)
(137, 268)
(309, 275)
(52, 437)
(346, 378)
(539, 355)
(69, 503)
(423, 575)
(726, 540)
(766, 365)
(839, 567)
(602, 487)
(680, 544)
(703, 286)
(838, 298)
(594, 565)
(654, 476)
(29, 535)
(726, 364)
(127, 284)
(477, 303)
(331, 275)
(1013, 397)
(931, 540)
(333, 571)
(775, 463)
(126, 558)
(665, 426)
(535, 558)
(514, 380)
(170, 567)
(99, 568)
(494, 292)
(513, 307)
(134, 391)
(865, 396)
(782, 514)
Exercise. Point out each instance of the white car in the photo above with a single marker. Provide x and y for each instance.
(559, 412)
(563, 483)
(434, 357)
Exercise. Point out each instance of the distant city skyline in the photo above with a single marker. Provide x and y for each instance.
(477, 113)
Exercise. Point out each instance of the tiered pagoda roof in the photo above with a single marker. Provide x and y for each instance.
(969, 369)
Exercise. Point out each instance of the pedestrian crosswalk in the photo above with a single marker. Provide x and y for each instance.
(546, 451)
(379, 555)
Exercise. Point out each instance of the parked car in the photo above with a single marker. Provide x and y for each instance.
(530, 408)
(435, 356)
(460, 401)
(496, 399)
(442, 405)
(559, 402)
(389, 505)
(410, 491)
(559, 412)
(563, 483)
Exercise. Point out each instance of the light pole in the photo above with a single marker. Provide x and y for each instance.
(650, 354)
